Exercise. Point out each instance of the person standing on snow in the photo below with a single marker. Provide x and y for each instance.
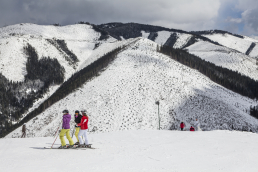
(66, 130)
(77, 120)
(23, 131)
(182, 126)
(83, 132)
(197, 125)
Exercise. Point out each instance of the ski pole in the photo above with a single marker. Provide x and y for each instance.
(55, 134)
(73, 131)
(57, 128)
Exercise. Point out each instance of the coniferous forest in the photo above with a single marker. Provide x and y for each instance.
(229, 79)
(74, 82)
(17, 97)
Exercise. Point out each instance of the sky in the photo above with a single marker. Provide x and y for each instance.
(236, 16)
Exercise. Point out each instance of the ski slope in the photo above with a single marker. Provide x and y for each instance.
(137, 150)
(225, 57)
(80, 39)
(123, 98)
(231, 41)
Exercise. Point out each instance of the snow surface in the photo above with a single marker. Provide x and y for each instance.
(138, 150)
(162, 37)
(225, 57)
(123, 97)
(80, 39)
(254, 52)
(231, 41)
(145, 34)
(182, 40)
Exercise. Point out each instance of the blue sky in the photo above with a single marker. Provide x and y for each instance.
(237, 16)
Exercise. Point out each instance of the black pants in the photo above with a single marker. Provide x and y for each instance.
(23, 135)
(182, 129)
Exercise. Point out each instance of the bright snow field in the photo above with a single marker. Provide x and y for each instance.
(149, 150)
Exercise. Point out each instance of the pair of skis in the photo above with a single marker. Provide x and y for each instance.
(75, 147)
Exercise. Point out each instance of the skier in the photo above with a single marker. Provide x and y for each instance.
(83, 132)
(77, 120)
(191, 129)
(66, 130)
(182, 126)
(23, 131)
(197, 125)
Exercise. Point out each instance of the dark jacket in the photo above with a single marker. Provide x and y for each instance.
(23, 128)
(77, 119)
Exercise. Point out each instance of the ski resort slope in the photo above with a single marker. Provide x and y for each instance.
(230, 41)
(123, 97)
(80, 39)
(226, 58)
(137, 151)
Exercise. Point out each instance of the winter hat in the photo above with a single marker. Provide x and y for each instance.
(84, 111)
(77, 111)
(65, 111)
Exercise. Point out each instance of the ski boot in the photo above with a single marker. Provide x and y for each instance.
(71, 147)
(77, 143)
(81, 146)
(87, 146)
(62, 147)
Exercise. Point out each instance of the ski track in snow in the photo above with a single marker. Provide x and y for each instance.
(149, 150)
(121, 98)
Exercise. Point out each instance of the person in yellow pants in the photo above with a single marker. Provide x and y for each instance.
(77, 120)
(66, 130)
(67, 133)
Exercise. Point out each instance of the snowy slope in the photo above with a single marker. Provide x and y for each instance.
(80, 39)
(123, 98)
(230, 41)
(182, 40)
(254, 52)
(225, 57)
(134, 151)
(162, 37)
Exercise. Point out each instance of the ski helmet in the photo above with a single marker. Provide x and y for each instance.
(65, 111)
(84, 111)
(77, 111)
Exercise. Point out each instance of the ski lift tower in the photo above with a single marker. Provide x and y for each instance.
(157, 103)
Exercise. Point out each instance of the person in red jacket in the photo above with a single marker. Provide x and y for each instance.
(83, 131)
(191, 129)
(182, 126)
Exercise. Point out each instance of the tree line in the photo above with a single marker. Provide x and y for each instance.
(229, 79)
(17, 97)
(74, 82)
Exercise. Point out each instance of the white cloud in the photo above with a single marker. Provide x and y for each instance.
(235, 20)
(183, 14)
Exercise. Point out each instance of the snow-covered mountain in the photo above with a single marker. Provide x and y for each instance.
(123, 95)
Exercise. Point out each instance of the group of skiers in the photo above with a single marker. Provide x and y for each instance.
(196, 124)
(80, 129)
